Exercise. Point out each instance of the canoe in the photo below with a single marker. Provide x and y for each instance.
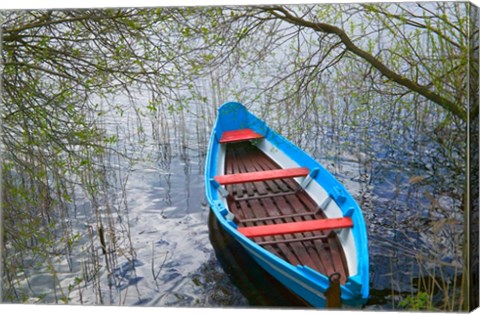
(290, 214)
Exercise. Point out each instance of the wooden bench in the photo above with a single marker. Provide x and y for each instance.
(261, 175)
(239, 136)
(296, 227)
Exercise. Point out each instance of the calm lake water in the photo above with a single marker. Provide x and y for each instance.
(156, 224)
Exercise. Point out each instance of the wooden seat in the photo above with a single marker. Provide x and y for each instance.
(239, 136)
(261, 175)
(296, 227)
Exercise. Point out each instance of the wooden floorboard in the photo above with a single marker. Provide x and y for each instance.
(280, 207)
(266, 208)
(307, 254)
(320, 251)
(251, 209)
(336, 253)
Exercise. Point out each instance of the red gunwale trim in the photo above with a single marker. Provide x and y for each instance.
(296, 227)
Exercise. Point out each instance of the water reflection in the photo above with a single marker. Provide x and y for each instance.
(259, 287)
(157, 237)
(409, 185)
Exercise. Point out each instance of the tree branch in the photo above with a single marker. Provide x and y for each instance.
(287, 16)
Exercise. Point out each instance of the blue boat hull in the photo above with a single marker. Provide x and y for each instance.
(307, 283)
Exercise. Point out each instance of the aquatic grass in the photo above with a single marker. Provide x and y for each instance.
(420, 301)
(45, 236)
(157, 270)
(422, 192)
(435, 284)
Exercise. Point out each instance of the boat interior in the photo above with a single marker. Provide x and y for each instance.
(273, 209)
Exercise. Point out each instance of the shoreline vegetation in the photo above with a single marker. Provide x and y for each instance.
(107, 115)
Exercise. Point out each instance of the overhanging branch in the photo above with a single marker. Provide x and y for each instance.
(285, 15)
